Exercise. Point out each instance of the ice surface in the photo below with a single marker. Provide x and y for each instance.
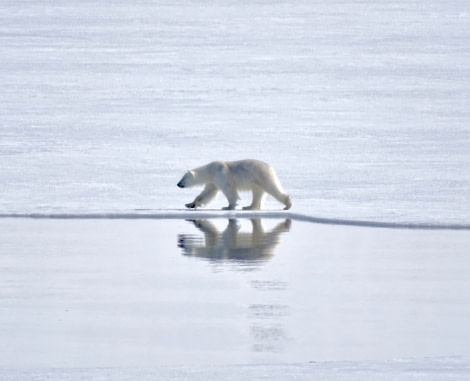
(361, 107)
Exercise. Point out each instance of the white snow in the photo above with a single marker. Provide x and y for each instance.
(362, 107)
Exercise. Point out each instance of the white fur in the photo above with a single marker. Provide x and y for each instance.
(231, 177)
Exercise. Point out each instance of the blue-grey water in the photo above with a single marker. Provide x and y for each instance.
(142, 293)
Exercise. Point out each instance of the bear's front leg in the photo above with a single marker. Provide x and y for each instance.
(209, 192)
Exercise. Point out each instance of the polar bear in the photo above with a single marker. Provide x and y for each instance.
(231, 177)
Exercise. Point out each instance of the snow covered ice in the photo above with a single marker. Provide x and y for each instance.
(362, 108)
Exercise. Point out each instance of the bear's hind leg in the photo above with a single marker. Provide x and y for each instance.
(274, 191)
(232, 197)
(258, 195)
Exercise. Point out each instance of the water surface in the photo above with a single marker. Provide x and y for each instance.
(93, 293)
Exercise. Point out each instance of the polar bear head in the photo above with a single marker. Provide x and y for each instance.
(188, 180)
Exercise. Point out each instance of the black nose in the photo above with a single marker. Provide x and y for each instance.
(180, 185)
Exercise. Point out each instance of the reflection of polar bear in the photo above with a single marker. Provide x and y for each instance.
(232, 244)
(231, 177)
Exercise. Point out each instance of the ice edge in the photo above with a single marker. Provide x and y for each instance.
(192, 214)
